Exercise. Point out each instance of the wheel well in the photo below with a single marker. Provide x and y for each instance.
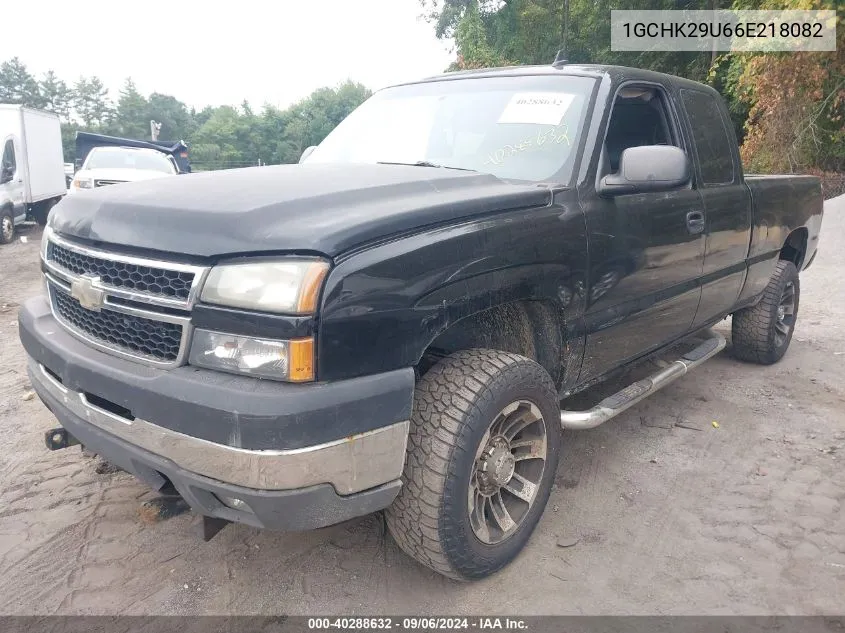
(529, 328)
(795, 247)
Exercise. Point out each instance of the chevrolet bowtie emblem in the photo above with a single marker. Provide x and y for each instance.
(86, 292)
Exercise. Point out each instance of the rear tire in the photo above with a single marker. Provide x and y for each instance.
(481, 421)
(762, 333)
(7, 226)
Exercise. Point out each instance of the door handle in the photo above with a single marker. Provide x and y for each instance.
(695, 222)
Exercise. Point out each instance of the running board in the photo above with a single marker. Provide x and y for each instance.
(613, 405)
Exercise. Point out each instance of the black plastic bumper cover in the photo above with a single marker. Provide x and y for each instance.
(200, 403)
(221, 408)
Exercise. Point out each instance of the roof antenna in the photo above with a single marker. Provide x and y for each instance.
(560, 59)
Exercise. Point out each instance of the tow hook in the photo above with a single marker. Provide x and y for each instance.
(59, 438)
(162, 508)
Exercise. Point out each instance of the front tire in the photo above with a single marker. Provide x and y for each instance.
(483, 449)
(7, 226)
(762, 333)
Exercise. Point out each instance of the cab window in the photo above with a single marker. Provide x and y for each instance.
(8, 161)
(712, 143)
(639, 117)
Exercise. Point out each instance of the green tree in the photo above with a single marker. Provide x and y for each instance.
(532, 31)
(217, 144)
(69, 130)
(201, 116)
(91, 102)
(55, 95)
(230, 137)
(309, 121)
(17, 85)
(272, 129)
(132, 116)
(296, 136)
(795, 102)
(176, 121)
(474, 50)
(219, 137)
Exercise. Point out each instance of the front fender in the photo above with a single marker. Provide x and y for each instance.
(384, 305)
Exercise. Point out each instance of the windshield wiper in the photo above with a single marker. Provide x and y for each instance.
(423, 163)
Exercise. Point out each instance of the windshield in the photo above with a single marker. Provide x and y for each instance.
(521, 128)
(102, 158)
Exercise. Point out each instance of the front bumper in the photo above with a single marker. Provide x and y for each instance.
(100, 398)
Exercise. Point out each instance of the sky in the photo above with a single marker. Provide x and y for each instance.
(216, 53)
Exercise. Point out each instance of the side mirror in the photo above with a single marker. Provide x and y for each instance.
(647, 168)
(306, 153)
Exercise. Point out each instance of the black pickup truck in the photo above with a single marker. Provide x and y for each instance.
(393, 324)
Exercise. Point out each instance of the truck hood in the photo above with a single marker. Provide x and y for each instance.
(122, 174)
(307, 208)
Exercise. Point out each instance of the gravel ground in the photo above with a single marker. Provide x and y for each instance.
(668, 513)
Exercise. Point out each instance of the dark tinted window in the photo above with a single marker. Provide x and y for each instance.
(639, 118)
(712, 143)
(9, 155)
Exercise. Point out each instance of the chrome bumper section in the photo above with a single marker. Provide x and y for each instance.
(351, 464)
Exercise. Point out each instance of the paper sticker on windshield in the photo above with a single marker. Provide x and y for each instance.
(540, 108)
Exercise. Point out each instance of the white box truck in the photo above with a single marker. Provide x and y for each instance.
(32, 171)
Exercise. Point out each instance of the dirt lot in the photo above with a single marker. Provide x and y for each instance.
(671, 514)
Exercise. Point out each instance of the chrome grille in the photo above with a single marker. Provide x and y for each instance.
(147, 338)
(105, 183)
(147, 279)
(128, 306)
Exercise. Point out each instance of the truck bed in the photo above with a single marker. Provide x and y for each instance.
(781, 204)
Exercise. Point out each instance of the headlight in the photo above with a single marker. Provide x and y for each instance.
(281, 360)
(45, 238)
(81, 183)
(290, 286)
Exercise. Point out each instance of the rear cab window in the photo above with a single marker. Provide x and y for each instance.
(713, 144)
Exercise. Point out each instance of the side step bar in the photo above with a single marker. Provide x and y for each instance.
(613, 405)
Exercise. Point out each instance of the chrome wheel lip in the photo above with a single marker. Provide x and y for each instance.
(6, 227)
(509, 465)
(785, 316)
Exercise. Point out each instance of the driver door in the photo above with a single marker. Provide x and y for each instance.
(646, 250)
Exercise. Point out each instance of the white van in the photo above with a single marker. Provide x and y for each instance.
(32, 172)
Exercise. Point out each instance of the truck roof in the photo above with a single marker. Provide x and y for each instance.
(617, 74)
(17, 106)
